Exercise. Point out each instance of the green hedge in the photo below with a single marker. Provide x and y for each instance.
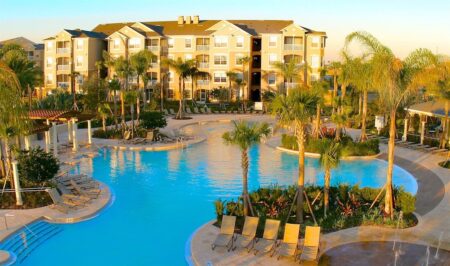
(108, 134)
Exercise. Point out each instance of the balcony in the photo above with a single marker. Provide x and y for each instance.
(202, 82)
(202, 47)
(153, 48)
(154, 65)
(63, 84)
(293, 47)
(203, 65)
(63, 67)
(62, 50)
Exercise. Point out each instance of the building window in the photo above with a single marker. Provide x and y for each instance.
(220, 77)
(170, 42)
(187, 57)
(272, 41)
(315, 61)
(271, 79)
(79, 61)
(116, 43)
(134, 43)
(239, 59)
(272, 59)
(49, 62)
(188, 43)
(240, 41)
(49, 46)
(221, 41)
(80, 44)
(315, 41)
(220, 60)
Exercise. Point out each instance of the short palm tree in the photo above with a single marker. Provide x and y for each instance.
(232, 76)
(130, 98)
(295, 110)
(194, 73)
(330, 155)
(245, 135)
(104, 111)
(140, 62)
(290, 71)
(393, 78)
(123, 69)
(320, 88)
(114, 86)
(334, 68)
(245, 61)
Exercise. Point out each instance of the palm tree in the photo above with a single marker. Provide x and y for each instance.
(104, 110)
(140, 62)
(244, 61)
(194, 73)
(392, 77)
(289, 71)
(334, 68)
(295, 110)
(245, 135)
(130, 98)
(232, 76)
(330, 155)
(114, 86)
(123, 70)
(320, 88)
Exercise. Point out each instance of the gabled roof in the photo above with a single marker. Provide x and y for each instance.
(431, 108)
(85, 33)
(256, 27)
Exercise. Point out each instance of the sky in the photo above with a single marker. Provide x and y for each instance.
(402, 25)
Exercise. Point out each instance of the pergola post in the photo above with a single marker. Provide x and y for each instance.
(47, 138)
(422, 132)
(17, 188)
(69, 130)
(74, 134)
(27, 142)
(89, 132)
(55, 139)
(405, 130)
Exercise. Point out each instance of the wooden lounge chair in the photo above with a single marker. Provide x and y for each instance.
(188, 110)
(172, 112)
(91, 193)
(207, 110)
(268, 241)
(247, 238)
(59, 203)
(226, 235)
(289, 245)
(196, 110)
(311, 243)
(67, 195)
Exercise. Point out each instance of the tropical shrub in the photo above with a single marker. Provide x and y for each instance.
(445, 164)
(152, 120)
(108, 134)
(36, 165)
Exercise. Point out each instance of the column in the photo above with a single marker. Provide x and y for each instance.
(27, 142)
(74, 134)
(69, 130)
(422, 132)
(47, 138)
(55, 139)
(405, 130)
(89, 132)
(17, 189)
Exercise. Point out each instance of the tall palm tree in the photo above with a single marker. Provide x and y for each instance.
(290, 71)
(130, 98)
(320, 88)
(334, 68)
(123, 69)
(104, 111)
(232, 76)
(295, 110)
(245, 61)
(194, 73)
(392, 77)
(330, 155)
(114, 86)
(245, 135)
(140, 62)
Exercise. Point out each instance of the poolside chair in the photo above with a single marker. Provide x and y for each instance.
(207, 110)
(85, 182)
(172, 112)
(196, 110)
(165, 112)
(268, 241)
(289, 245)
(59, 203)
(91, 193)
(225, 237)
(247, 238)
(127, 135)
(311, 243)
(67, 194)
(188, 110)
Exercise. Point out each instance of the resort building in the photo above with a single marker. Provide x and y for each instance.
(218, 47)
(70, 58)
(35, 51)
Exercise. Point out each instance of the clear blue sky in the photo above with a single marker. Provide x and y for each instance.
(401, 24)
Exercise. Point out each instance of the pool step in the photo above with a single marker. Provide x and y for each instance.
(26, 240)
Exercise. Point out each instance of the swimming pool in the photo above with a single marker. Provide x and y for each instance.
(162, 197)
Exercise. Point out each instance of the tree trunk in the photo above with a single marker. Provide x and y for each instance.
(244, 165)
(104, 123)
(192, 91)
(360, 104)
(229, 89)
(445, 127)
(122, 103)
(363, 136)
(115, 109)
(301, 170)
(326, 194)
(132, 119)
(181, 107)
(317, 130)
(138, 100)
(30, 97)
(2, 161)
(388, 200)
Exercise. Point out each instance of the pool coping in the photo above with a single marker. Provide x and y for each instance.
(317, 155)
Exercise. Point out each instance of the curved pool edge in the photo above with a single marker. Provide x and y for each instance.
(317, 155)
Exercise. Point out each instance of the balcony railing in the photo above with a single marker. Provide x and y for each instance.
(203, 65)
(154, 65)
(202, 82)
(293, 47)
(153, 48)
(63, 67)
(63, 84)
(62, 50)
(202, 47)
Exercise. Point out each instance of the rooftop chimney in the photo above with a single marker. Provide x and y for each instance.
(187, 20)
(196, 19)
(180, 20)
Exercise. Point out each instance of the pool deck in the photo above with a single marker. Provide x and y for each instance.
(432, 211)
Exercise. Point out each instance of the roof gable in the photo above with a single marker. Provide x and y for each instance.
(226, 26)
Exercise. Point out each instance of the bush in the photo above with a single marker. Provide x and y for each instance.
(108, 134)
(37, 165)
(152, 120)
(445, 164)
(289, 142)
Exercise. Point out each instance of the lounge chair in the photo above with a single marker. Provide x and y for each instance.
(207, 110)
(127, 135)
(188, 110)
(172, 112)
(247, 238)
(225, 237)
(67, 195)
(268, 241)
(91, 193)
(289, 245)
(311, 243)
(195, 110)
(165, 112)
(83, 181)
(59, 203)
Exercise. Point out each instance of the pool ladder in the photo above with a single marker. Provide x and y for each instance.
(26, 240)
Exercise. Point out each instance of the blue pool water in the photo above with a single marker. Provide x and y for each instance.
(162, 197)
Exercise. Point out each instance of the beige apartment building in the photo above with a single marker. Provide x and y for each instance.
(218, 47)
(35, 51)
(70, 58)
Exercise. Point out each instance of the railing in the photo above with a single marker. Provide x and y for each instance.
(202, 82)
(63, 84)
(154, 65)
(203, 65)
(293, 47)
(63, 67)
(202, 47)
(153, 48)
(62, 50)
